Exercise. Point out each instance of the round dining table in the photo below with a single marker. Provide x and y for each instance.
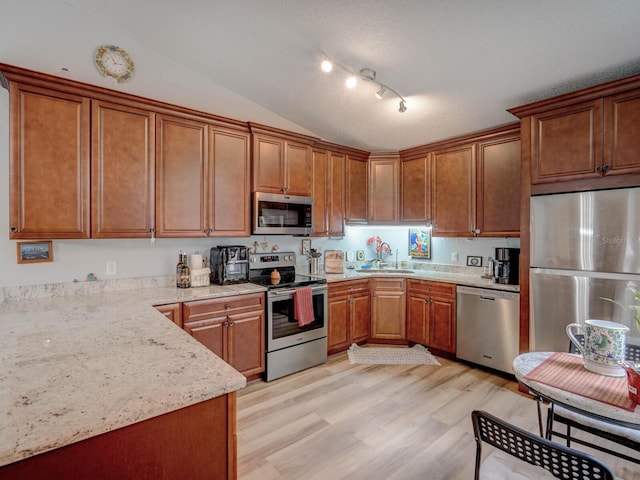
(525, 363)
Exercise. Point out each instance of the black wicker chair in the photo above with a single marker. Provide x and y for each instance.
(562, 462)
(620, 435)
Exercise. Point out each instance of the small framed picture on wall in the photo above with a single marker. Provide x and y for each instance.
(420, 243)
(35, 252)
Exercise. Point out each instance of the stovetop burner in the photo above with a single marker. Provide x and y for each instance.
(261, 265)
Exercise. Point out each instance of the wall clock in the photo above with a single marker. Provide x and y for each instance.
(112, 61)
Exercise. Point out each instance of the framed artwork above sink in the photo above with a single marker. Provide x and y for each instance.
(420, 243)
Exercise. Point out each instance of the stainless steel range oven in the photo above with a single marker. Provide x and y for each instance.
(290, 347)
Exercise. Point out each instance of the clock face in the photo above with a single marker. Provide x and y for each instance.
(112, 61)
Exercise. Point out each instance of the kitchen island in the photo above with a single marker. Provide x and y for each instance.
(102, 385)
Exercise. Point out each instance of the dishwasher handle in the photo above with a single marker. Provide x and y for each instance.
(488, 294)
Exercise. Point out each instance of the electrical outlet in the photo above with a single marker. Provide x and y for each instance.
(454, 257)
(112, 267)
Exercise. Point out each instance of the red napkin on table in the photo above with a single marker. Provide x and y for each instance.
(303, 306)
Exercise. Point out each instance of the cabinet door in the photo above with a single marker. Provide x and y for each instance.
(566, 143)
(418, 318)
(360, 317)
(335, 195)
(181, 177)
(338, 338)
(122, 171)
(442, 328)
(621, 139)
(388, 309)
(383, 190)
(356, 190)
(49, 170)
(173, 311)
(498, 188)
(230, 171)
(415, 200)
(454, 191)
(245, 342)
(268, 165)
(211, 333)
(298, 173)
(321, 187)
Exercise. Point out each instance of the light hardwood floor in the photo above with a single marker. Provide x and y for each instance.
(374, 422)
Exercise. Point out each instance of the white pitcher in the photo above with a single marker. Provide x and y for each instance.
(604, 345)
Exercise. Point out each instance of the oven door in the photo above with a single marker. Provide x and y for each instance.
(282, 328)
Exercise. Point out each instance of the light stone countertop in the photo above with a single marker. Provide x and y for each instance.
(76, 366)
(424, 274)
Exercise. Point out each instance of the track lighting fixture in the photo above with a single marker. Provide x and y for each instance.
(367, 74)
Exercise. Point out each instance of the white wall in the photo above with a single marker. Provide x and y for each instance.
(46, 35)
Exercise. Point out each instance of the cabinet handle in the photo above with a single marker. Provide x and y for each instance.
(14, 229)
(476, 231)
(227, 306)
(605, 167)
(598, 168)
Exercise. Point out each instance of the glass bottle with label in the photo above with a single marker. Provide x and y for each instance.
(184, 280)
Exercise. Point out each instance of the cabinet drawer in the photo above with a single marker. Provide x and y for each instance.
(395, 284)
(201, 309)
(427, 287)
(349, 287)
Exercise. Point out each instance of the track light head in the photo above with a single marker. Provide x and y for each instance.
(367, 74)
(326, 66)
(403, 106)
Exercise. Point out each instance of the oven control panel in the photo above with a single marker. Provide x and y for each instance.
(266, 260)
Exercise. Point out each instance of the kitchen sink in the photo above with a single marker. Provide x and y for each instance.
(383, 270)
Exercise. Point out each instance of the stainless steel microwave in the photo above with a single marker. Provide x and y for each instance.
(275, 214)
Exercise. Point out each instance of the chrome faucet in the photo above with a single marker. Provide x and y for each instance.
(397, 250)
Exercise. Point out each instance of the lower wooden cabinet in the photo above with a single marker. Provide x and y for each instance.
(349, 314)
(173, 311)
(431, 308)
(197, 442)
(388, 309)
(231, 327)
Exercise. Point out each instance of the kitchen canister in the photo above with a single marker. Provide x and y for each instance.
(604, 346)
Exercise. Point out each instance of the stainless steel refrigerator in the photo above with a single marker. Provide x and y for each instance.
(584, 246)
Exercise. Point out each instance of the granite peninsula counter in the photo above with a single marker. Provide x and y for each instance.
(77, 366)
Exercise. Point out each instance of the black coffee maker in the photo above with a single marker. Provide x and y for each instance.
(507, 266)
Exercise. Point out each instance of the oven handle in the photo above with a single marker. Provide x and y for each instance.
(278, 293)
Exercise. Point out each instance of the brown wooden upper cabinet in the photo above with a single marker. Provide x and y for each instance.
(498, 187)
(454, 191)
(584, 135)
(281, 166)
(415, 195)
(182, 172)
(199, 168)
(384, 173)
(356, 190)
(122, 171)
(467, 186)
(49, 170)
(229, 177)
(328, 193)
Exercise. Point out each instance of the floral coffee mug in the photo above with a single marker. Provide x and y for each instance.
(604, 345)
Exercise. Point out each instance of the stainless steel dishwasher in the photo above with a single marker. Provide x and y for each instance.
(488, 327)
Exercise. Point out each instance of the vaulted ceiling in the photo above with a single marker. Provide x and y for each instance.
(459, 63)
